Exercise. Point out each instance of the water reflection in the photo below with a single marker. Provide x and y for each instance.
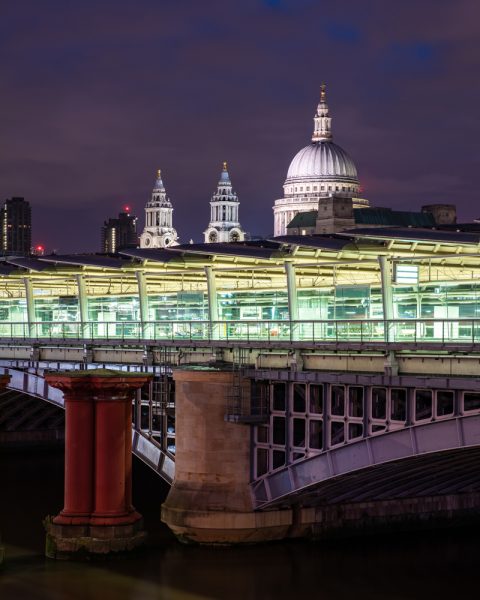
(411, 566)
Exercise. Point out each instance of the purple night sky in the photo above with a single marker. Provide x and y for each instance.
(96, 95)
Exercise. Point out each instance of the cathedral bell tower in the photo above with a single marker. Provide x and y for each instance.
(158, 231)
(224, 225)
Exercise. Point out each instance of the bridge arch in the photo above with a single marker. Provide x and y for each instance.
(33, 384)
(395, 446)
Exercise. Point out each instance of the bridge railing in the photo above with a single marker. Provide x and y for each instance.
(463, 331)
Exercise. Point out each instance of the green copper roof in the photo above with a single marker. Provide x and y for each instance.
(304, 219)
(387, 217)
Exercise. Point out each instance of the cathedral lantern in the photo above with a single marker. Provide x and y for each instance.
(158, 231)
(224, 225)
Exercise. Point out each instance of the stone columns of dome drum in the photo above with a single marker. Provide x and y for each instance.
(98, 516)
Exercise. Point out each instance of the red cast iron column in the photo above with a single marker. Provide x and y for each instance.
(98, 464)
(79, 447)
(113, 457)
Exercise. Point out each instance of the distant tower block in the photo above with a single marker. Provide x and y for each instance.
(119, 232)
(224, 225)
(16, 229)
(158, 231)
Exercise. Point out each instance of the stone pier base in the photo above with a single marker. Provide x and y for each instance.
(64, 542)
(324, 522)
(225, 528)
(401, 514)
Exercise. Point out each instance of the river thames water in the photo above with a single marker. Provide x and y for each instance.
(423, 565)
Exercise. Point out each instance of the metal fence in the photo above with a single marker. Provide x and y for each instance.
(354, 330)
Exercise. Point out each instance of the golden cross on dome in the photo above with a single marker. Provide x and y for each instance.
(224, 165)
(159, 172)
(323, 92)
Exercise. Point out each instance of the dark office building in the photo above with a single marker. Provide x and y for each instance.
(16, 234)
(120, 232)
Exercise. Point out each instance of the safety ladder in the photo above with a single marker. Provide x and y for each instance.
(240, 407)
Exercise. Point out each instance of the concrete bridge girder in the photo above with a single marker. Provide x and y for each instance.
(443, 360)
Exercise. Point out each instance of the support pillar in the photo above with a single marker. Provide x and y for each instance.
(143, 300)
(210, 501)
(391, 363)
(4, 381)
(32, 333)
(83, 307)
(292, 300)
(98, 516)
(387, 292)
(212, 303)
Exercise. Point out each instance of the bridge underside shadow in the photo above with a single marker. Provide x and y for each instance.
(28, 419)
(453, 472)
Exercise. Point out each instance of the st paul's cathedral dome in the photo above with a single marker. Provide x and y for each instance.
(320, 169)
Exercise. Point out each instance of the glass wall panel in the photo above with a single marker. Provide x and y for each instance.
(13, 317)
(315, 304)
(352, 302)
(438, 301)
(252, 305)
(405, 302)
(180, 306)
(114, 316)
(57, 317)
(342, 302)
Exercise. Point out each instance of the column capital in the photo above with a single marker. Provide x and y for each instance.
(97, 384)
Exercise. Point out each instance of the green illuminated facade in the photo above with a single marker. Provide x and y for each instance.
(427, 289)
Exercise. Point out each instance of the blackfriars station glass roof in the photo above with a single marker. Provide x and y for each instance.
(367, 284)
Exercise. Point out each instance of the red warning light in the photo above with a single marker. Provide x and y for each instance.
(127, 209)
(40, 248)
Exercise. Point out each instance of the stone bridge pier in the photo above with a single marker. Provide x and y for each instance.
(98, 516)
(210, 501)
(422, 474)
